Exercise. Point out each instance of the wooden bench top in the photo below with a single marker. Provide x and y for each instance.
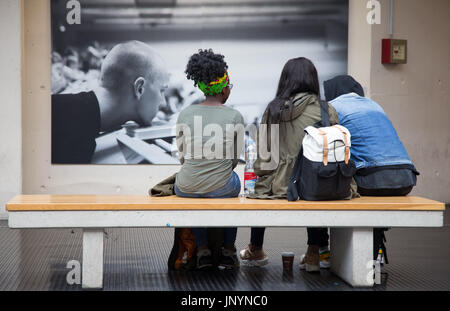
(145, 202)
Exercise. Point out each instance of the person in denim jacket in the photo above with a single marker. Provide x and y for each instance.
(382, 162)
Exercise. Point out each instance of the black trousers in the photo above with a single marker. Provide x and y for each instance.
(257, 236)
(316, 236)
(319, 236)
(378, 233)
(384, 192)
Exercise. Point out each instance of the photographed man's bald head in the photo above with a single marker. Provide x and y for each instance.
(128, 61)
(132, 82)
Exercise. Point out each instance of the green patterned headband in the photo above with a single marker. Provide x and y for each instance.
(214, 87)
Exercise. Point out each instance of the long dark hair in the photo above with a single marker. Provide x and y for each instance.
(299, 75)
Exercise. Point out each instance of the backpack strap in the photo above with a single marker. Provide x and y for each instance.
(324, 113)
(292, 191)
(325, 146)
(347, 147)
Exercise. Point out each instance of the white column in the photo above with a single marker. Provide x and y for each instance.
(11, 101)
(352, 255)
(92, 275)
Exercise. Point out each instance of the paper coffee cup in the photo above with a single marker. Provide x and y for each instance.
(288, 260)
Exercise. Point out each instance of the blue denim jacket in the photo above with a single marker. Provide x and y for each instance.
(374, 140)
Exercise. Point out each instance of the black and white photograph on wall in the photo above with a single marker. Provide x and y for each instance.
(102, 114)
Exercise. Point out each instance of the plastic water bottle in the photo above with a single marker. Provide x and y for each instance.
(249, 172)
(380, 257)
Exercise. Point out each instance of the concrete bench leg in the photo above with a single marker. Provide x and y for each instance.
(352, 255)
(92, 266)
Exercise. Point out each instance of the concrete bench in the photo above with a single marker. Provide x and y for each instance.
(351, 222)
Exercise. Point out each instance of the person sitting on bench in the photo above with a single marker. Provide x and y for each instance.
(295, 107)
(383, 165)
(208, 159)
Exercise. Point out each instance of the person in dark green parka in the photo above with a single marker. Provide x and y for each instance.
(295, 107)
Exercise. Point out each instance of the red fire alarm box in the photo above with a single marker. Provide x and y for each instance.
(394, 51)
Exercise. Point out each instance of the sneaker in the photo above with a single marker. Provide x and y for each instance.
(311, 260)
(204, 259)
(251, 256)
(228, 259)
(325, 258)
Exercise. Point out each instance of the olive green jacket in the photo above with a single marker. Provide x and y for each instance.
(273, 183)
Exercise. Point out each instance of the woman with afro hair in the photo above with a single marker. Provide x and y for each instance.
(209, 157)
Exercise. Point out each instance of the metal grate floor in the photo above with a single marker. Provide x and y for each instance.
(135, 259)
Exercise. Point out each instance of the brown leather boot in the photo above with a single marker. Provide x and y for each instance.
(311, 260)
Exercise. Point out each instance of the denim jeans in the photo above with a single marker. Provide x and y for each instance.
(230, 190)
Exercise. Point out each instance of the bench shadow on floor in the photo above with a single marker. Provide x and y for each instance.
(135, 259)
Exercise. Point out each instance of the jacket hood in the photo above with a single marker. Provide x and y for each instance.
(341, 85)
(299, 103)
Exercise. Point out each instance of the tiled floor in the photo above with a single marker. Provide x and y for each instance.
(135, 259)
